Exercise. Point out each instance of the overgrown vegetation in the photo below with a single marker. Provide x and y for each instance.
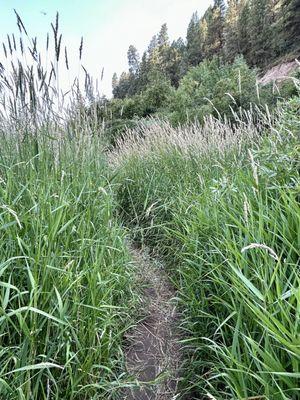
(211, 88)
(238, 28)
(221, 205)
(213, 70)
(65, 275)
(211, 182)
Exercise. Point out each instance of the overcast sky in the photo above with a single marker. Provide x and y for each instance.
(107, 26)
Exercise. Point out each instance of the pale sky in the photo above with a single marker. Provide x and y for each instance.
(107, 26)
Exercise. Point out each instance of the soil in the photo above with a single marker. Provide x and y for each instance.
(153, 352)
(279, 72)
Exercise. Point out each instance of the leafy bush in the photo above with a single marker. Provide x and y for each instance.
(121, 114)
(213, 88)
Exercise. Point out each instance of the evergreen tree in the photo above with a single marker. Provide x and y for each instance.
(174, 61)
(203, 34)
(123, 87)
(260, 32)
(215, 29)
(162, 37)
(232, 45)
(207, 35)
(153, 50)
(114, 84)
(275, 18)
(194, 43)
(291, 25)
(133, 60)
(163, 48)
(134, 65)
(243, 29)
(143, 73)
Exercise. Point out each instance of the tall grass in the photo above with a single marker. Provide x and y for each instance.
(221, 203)
(65, 276)
(226, 218)
(65, 292)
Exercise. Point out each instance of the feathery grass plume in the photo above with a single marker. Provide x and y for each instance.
(254, 168)
(153, 135)
(66, 58)
(261, 246)
(31, 94)
(80, 48)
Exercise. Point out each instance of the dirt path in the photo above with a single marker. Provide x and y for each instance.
(153, 353)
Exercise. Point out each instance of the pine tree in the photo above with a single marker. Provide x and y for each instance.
(122, 90)
(203, 28)
(243, 29)
(174, 61)
(134, 65)
(163, 48)
(232, 45)
(206, 33)
(194, 43)
(215, 28)
(114, 83)
(275, 18)
(162, 37)
(143, 73)
(152, 48)
(260, 32)
(291, 25)
(133, 60)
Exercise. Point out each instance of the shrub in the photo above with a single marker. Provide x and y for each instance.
(213, 88)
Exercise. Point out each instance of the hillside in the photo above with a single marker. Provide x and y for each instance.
(226, 50)
(279, 73)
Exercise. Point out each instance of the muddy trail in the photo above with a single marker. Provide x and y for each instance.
(153, 351)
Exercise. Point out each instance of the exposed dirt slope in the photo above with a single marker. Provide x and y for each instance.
(279, 72)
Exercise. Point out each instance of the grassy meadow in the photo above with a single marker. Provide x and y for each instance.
(217, 201)
(221, 205)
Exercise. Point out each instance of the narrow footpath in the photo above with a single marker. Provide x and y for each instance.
(153, 352)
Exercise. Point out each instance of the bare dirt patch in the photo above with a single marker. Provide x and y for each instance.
(279, 72)
(153, 352)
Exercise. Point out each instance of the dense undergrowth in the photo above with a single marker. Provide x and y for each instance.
(219, 200)
(224, 213)
(65, 286)
(211, 88)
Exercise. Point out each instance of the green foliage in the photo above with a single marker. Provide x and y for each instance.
(212, 88)
(119, 114)
(215, 32)
(239, 28)
(229, 32)
(260, 28)
(290, 25)
(156, 96)
(194, 42)
(228, 227)
(65, 289)
(228, 222)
